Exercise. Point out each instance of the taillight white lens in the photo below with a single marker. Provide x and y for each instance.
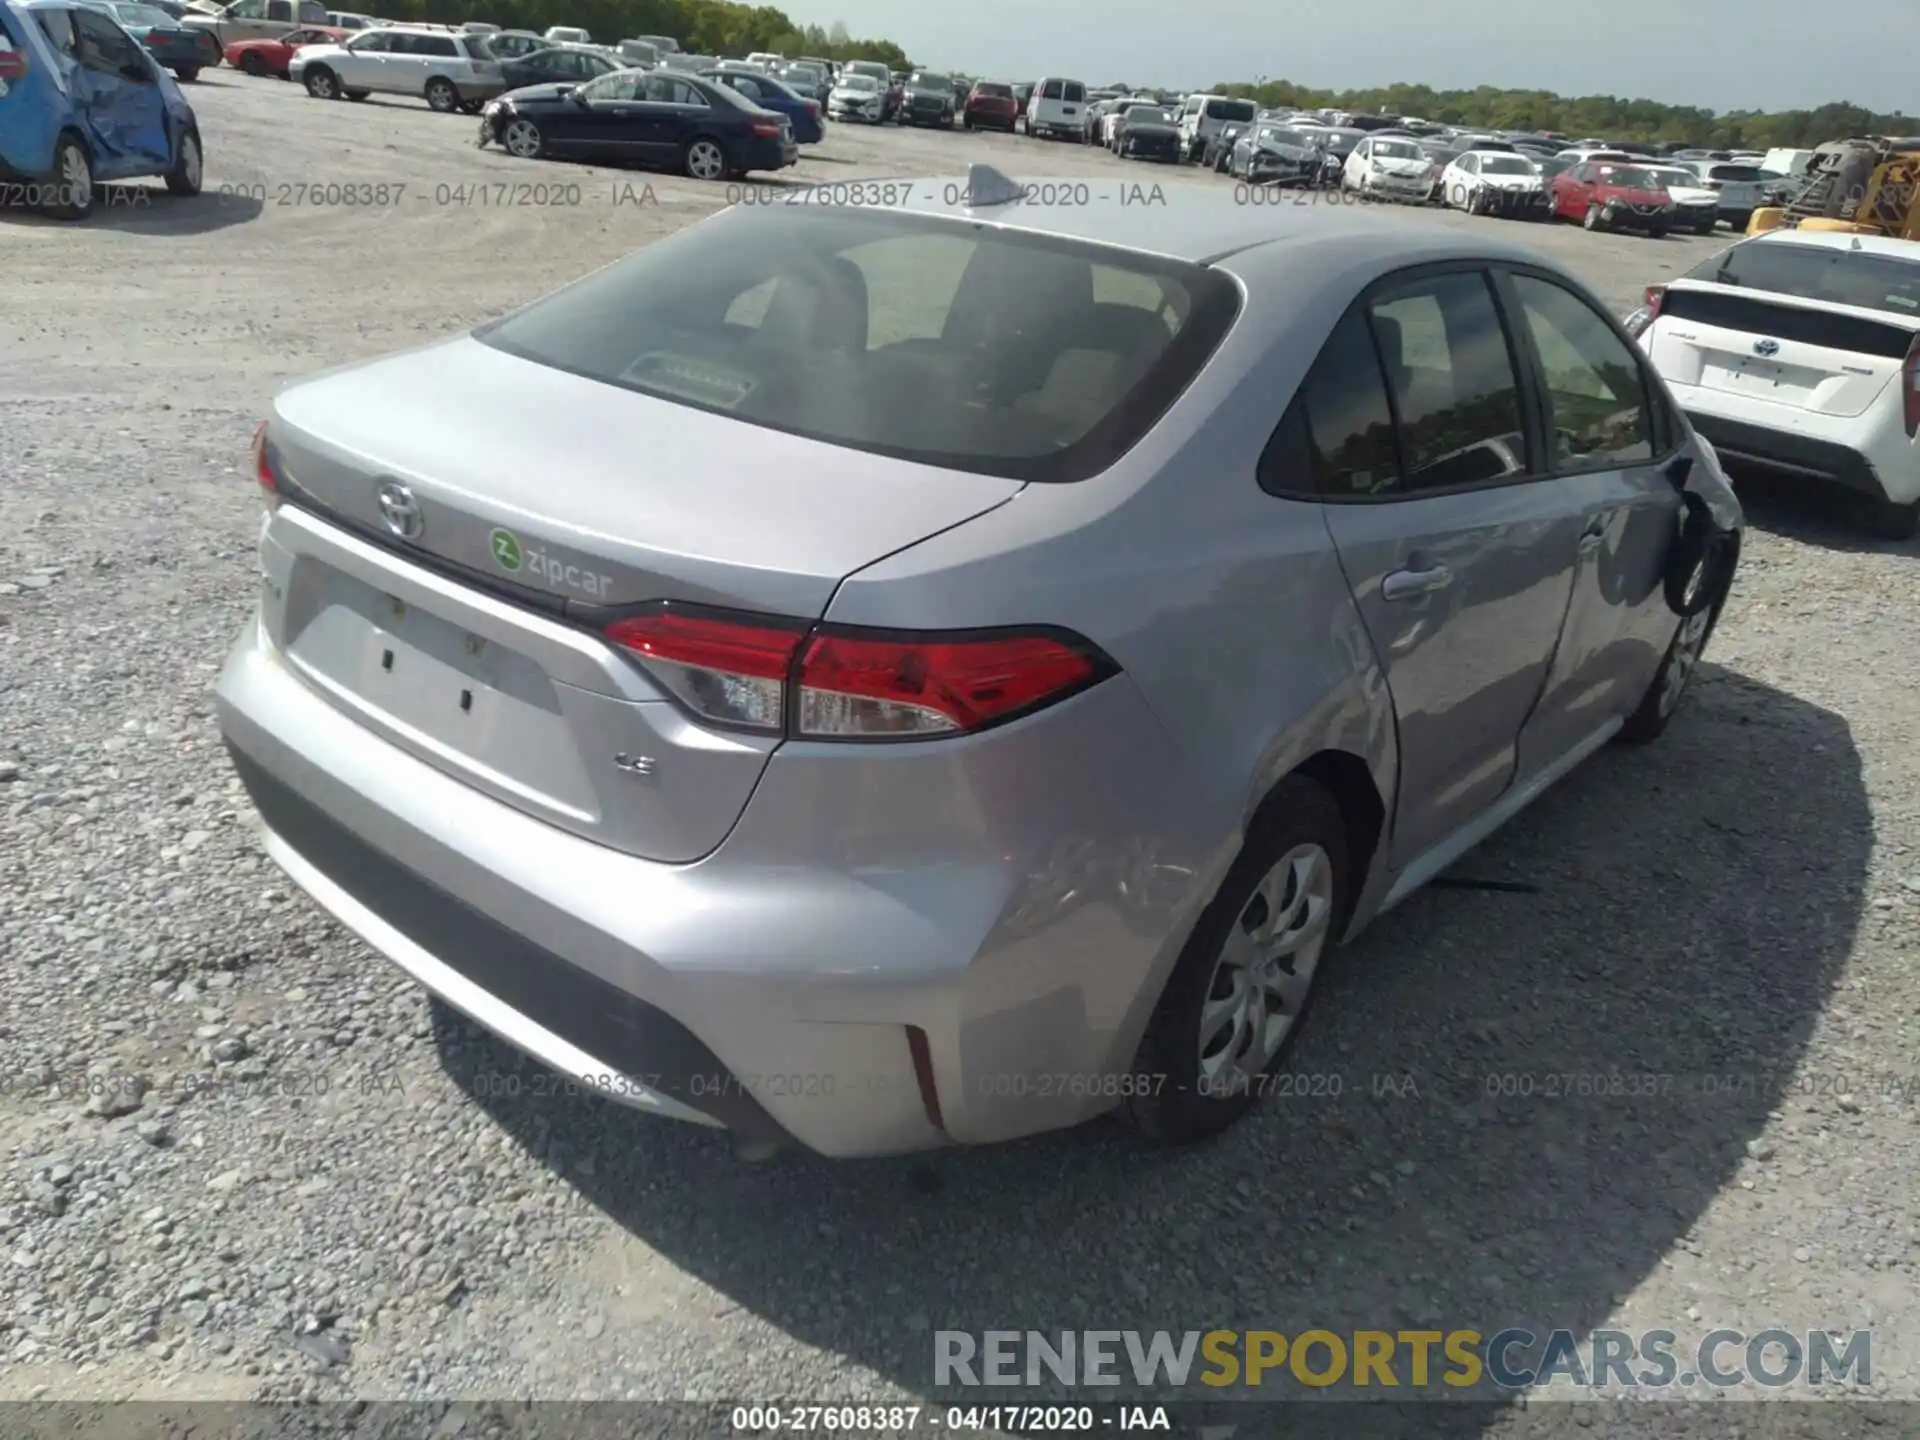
(730, 672)
(860, 685)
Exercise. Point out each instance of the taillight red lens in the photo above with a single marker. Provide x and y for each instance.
(13, 63)
(1655, 294)
(730, 672)
(861, 686)
(263, 470)
(1910, 389)
(767, 130)
(775, 676)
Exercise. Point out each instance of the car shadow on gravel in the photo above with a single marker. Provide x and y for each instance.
(150, 209)
(1810, 512)
(1519, 1093)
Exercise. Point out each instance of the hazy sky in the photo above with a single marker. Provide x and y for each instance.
(1722, 54)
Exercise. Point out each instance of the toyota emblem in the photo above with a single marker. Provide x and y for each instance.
(1766, 347)
(400, 510)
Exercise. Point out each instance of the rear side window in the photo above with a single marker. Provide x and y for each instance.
(995, 352)
(1450, 372)
(1340, 429)
(438, 45)
(1819, 272)
(1595, 388)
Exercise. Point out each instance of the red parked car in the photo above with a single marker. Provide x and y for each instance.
(991, 106)
(1611, 195)
(270, 57)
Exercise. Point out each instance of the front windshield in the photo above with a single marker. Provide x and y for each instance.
(142, 15)
(1280, 135)
(1667, 179)
(859, 82)
(1397, 150)
(1629, 178)
(618, 85)
(930, 80)
(1504, 165)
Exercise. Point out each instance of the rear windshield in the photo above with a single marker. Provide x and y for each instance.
(1505, 165)
(999, 92)
(1817, 272)
(953, 344)
(1242, 110)
(1738, 172)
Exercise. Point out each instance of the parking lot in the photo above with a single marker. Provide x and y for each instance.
(366, 1205)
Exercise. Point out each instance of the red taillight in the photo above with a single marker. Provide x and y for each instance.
(263, 470)
(767, 129)
(13, 63)
(1910, 389)
(860, 686)
(778, 677)
(731, 672)
(1655, 294)
(813, 107)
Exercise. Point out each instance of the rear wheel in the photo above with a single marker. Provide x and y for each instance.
(441, 96)
(72, 181)
(1234, 1002)
(355, 94)
(252, 64)
(704, 159)
(1705, 227)
(186, 74)
(184, 177)
(1662, 700)
(321, 85)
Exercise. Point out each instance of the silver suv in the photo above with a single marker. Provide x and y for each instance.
(449, 71)
(971, 708)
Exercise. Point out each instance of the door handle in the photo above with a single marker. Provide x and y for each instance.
(1411, 584)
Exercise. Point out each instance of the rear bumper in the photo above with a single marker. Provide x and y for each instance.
(984, 948)
(1853, 453)
(757, 154)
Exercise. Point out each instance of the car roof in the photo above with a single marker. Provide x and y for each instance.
(1200, 227)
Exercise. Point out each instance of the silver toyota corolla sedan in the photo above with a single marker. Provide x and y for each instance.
(889, 677)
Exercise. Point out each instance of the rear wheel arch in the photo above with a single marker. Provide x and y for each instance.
(1349, 779)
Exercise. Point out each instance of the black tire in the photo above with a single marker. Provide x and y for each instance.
(1594, 219)
(1178, 1106)
(522, 137)
(1649, 722)
(1889, 520)
(321, 83)
(1477, 202)
(186, 74)
(70, 162)
(1705, 227)
(252, 64)
(355, 94)
(443, 96)
(1739, 221)
(184, 178)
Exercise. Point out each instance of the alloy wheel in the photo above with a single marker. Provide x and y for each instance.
(1681, 660)
(706, 160)
(76, 178)
(523, 139)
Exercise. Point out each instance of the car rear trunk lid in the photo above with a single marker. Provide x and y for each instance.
(461, 517)
(1829, 359)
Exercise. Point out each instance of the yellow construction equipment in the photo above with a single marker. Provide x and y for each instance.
(1863, 187)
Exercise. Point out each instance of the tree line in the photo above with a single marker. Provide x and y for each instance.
(1603, 116)
(703, 27)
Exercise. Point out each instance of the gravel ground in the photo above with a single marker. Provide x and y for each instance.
(307, 1198)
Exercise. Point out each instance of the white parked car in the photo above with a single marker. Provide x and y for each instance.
(450, 72)
(1740, 189)
(1494, 182)
(1696, 206)
(568, 35)
(1202, 117)
(859, 98)
(1798, 351)
(1390, 169)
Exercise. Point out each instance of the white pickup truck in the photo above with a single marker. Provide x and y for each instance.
(258, 19)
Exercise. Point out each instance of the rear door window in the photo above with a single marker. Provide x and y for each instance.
(1451, 376)
(1596, 390)
(969, 348)
(1337, 439)
(1050, 90)
(1074, 92)
(101, 45)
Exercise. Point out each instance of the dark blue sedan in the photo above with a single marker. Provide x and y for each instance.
(809, 127)
(653, 117)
